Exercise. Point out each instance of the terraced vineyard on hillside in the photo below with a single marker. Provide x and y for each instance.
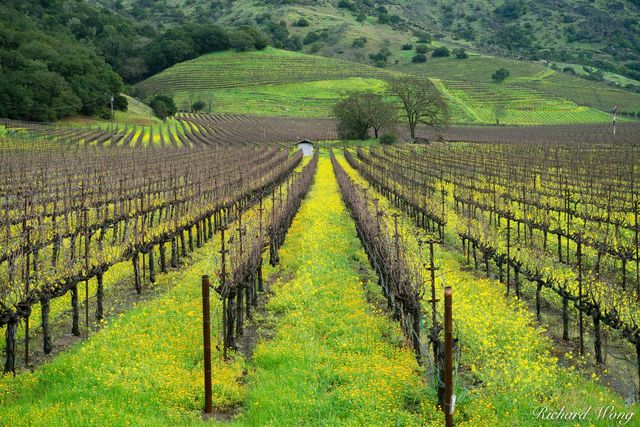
(520, 105)
(271, 66)
(253, 83)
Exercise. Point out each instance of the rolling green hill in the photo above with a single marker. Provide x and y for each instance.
(270, 82)
(280, 83)
(526, 76)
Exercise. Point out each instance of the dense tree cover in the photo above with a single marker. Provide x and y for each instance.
(45, 75)
(64, 57)
(192, 40)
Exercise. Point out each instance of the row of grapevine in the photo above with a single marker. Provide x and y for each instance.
(504, 201)
(254, 68)
(70, 215)
(405, 273)
(399, 274)
(240, 276)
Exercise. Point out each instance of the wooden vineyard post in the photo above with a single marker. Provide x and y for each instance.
(206, 332)
(433, 301)
(580, 319)
(508, 251)
(449, 401)
(637, 244)
(87, 246)
(223, 290)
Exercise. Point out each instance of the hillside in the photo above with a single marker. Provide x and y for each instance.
(144, 39)
(269, 82)
(603, 34)
(280, 83)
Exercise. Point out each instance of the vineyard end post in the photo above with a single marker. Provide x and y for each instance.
(449, 401)
(206, 330)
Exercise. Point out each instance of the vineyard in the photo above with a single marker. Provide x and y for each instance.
(556, 225)
(521, 106)
(534, 95)
(339, 213)
(187, 130)
(530, 80)
(328, 278)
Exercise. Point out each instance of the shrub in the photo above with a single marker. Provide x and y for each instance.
(407, 46)
(359, 42)
(380, 59)
(311, 38)
(120, 103)
(440, 52)
(423, 37)
(302, 22)
(422, 49)
(460, 53)
(419, 58)
(500, 75)
(199, 106)
(388, 139)
(346, 4)
(163, 106)
(294, 43)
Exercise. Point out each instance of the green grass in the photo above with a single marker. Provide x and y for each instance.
(584, 92)
(143, 368)
(305, 99)
(137, 113)
(334, 358)
(522, 106)
(224, 70)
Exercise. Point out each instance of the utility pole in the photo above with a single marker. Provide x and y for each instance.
(614, 113)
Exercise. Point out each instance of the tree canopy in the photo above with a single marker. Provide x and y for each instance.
(420, 102)
(45, 76)
(360, 112)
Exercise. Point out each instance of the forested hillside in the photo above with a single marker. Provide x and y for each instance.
(61, 57)
(47, 74)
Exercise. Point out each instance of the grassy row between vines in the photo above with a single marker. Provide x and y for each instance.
(334, 359)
